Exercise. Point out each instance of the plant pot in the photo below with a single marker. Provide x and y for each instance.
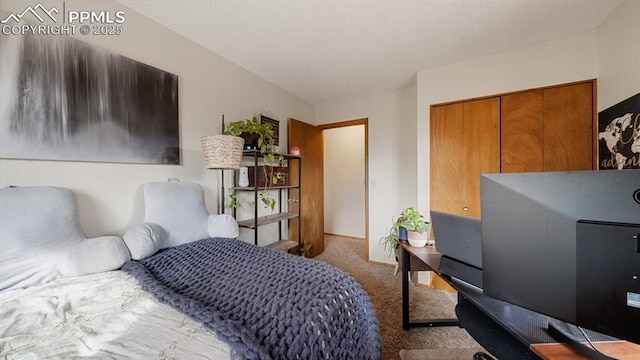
(222, 151)
(417, 239)
(250, 140)
(402, 233)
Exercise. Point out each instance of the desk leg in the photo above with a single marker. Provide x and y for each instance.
(406, 322)
(405, 288)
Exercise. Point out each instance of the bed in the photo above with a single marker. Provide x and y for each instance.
(161, 292)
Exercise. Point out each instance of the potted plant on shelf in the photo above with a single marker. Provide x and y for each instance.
(265, 145)
(253, 127)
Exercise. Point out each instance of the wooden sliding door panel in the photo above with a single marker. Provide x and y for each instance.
(522, 126)
(447, 157)
(546, 129)
(568, 127)
(482, 132)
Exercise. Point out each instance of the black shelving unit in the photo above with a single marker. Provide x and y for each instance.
(283, 216)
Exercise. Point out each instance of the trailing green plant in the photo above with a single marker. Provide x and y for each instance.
(390, 241)
(267, 200)
(233, 201)
(411, 220)
(266, 146)
(266, 139)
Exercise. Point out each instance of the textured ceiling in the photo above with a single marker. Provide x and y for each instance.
(330, 50)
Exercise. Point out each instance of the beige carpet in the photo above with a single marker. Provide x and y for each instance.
(385, 290)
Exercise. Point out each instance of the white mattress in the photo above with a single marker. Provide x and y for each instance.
(105, 316)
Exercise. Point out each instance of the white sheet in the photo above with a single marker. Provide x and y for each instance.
(100, 316)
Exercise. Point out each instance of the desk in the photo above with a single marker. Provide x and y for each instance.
(505, 330)
(431, 259)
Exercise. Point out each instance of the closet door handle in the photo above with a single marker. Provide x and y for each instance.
(465, 208)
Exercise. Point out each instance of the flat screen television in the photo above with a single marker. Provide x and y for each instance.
(567, 245)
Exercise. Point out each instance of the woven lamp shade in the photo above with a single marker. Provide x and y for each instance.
(222, 151)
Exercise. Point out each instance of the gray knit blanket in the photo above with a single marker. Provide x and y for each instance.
(265, 304)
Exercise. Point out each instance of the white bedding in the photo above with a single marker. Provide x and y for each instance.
(100, 316)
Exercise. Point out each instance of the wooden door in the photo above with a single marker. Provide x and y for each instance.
(568, 127)
(447, 154)
(548, 129)
(482, 132)
(309, 139)
(464, 143)
(521, 134)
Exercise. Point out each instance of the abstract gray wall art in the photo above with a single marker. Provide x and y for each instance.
(62, 99)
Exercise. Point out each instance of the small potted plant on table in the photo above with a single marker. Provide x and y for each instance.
(410, 225)
(417, 227)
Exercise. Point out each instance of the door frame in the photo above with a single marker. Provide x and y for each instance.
(365, 122)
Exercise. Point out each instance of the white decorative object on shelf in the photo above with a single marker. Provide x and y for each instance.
(243, 179)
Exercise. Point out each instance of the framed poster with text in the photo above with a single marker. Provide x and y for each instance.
(619, 135)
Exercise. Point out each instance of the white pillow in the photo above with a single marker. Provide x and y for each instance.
(179, 208)
(222, 225)
(175, 214)
(145, 239)
(39, 229)
(96, 255)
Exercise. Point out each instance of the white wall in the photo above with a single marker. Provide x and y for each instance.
(209, 86)
(398, 121)
(392, 156)
(568, 59)
(344, 177)
(619, 55)
(611, 54)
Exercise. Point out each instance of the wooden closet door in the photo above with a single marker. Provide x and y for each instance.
(447, 157)
(522, 129)
(465, 142)
(482, 132)
(568, 127)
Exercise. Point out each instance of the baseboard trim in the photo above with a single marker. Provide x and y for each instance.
(345, 236)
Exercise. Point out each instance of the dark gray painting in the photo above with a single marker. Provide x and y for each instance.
(62, 99)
